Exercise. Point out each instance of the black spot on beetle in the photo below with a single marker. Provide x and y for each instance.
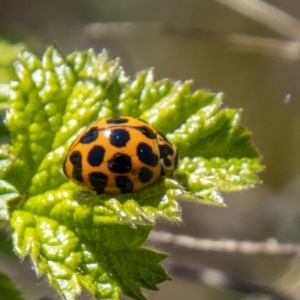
(146, 131)
(119, 163)
(124, 184)
(98, 181)
(165, 151)
(117, 120)
(119, 137)
(146, 155)
(95, 156)
(145, 175)
(90, 136)
(76, 161)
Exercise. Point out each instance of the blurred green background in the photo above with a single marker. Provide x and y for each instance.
(186, 40)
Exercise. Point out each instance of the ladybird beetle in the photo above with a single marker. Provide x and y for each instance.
(119, 155)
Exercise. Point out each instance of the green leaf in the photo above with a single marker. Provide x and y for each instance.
(83, 244)
(8, 54)
(8, 193)
(6, 160)
(8, 290)
(208, 176)
(80, 239)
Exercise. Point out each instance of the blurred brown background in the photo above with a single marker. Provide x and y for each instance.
(249, 53)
